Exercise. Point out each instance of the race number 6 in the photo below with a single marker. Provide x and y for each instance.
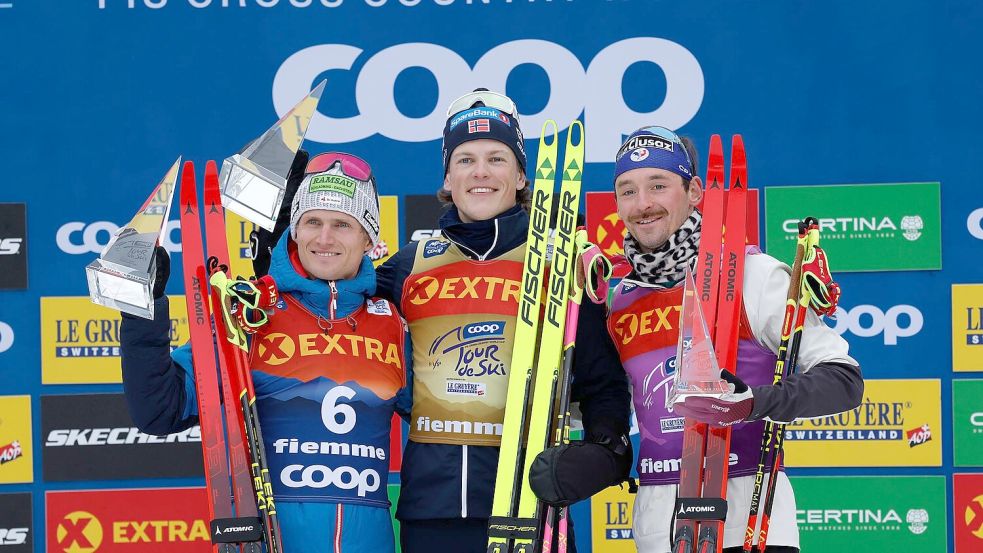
(332, 411)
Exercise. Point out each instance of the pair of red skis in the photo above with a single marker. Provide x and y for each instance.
(701, 506)
(221, 366)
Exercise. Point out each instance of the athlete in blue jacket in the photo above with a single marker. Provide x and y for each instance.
(329, 368)
(459, 295)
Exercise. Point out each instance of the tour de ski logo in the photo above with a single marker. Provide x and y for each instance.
(475, 350)
(434, 248)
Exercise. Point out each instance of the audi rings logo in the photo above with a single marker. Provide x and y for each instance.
(321, 476)
(423, 290)
(78, 238)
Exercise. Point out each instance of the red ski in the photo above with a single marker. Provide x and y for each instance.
(701, 507)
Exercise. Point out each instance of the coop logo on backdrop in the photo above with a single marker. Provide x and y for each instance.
(91, 437)
(869, 321)
(596, 91)
(79, 238)
(134, 520)
(13, 246)
(6, 336)
(872, 227)
(16, 523)
(974, 223)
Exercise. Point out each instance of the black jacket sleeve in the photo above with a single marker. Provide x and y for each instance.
(825, 389)
(152, 382)
(391, 275)
(600, 383)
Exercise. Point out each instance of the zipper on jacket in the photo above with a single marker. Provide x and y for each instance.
(333, 304)
(464, 481)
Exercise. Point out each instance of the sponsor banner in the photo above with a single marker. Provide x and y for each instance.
(967, 423)
(898, 424)
(967, 512)
(873, 513)
(91, 437)
(883, 325)
(80, 238)
(80, 340)
(13, 246)
(606, 229)
(6, 336)
(865, 227)
(967, 327)
(164, 520)
(610, 517)
(974, 223)
(422, 214)
(389, 234)
(238, 229)
(16, 444)
(393, 490)
(16, 523)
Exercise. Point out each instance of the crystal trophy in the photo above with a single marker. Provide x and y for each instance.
(253, 181)
(697, 370)
(122, 278)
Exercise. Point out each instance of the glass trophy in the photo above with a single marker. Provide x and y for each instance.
(253, 181)
(697, 370)
(122, 278)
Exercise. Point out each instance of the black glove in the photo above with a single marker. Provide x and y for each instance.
(569, 473)
(261, 240)
(162, 271)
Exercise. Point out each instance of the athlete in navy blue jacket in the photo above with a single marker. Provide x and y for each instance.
(459, 295)
(329, 368)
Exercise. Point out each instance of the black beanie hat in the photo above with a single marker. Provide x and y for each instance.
(478, 122)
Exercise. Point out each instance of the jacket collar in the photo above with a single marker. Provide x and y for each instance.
(486, 239)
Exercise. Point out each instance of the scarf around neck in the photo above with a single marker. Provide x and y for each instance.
(666, 266)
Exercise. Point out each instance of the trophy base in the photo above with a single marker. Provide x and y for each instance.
(126, 292)
(681, 390)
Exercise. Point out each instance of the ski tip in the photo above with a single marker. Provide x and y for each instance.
(715, 163)
(212, 195)
(738, 162)
(579, 143)
(188, 195)
(549, 133)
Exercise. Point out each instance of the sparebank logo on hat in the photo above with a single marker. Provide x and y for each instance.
(479, 113)
(340, 184)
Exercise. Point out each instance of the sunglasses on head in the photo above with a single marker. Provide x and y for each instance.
(490, 99)
(351, 166)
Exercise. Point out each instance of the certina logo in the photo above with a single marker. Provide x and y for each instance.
(864, 227)
(632, 325)
(6, 336)
(596, 91)
(13, 536)
(976, 421)
(870, 519)
(974, 223)
(10, 246)
(71, 437)
(277, 348)
(867, 321)
(78, 238)
(428, 288)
